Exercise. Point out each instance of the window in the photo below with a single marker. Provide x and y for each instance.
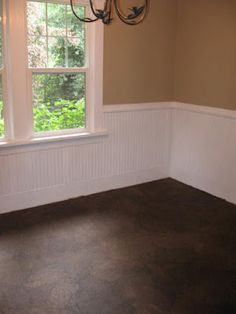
(56, 40)
(54, 70)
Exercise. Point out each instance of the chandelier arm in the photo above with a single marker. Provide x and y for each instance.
(92, 9)
(86, 19)
(131, 20)
(105, 15)
(107, 19)
(100, 14)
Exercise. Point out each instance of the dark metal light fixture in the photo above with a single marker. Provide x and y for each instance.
(136, 15)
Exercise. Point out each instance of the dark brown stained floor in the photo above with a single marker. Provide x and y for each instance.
(161, 247)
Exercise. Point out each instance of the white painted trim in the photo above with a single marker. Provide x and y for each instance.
(59, 70)
(17, 106)
(227, 113)
(95, 76)
(146, 142)
(32, 175)
(203, 149)
(75, 189)
(205, 183)
(137, 107)
(18, 113)
(7, 95)
(62, 138)
(213, 111)
(81, 2)
(51, 142)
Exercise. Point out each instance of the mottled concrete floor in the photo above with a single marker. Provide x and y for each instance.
(161, 247)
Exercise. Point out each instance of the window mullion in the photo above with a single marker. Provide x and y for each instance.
(46, 10)
(17, 42)
(66, 41)
(59, 70)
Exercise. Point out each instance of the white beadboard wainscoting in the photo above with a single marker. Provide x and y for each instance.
(135, 150)
(144, 142)
(203, 149)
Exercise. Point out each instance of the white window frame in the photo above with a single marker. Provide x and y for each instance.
(18, 107)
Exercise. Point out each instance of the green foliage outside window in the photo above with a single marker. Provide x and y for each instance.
(66, 114)
(56, 39)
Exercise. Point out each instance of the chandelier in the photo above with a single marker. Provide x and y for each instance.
(135, 16)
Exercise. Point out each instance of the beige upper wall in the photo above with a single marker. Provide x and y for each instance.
(185, 51)
(139, 60)
(205, 72)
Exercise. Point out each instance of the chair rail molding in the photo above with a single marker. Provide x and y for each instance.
(144, 142)
(203, 148)
(135, 149)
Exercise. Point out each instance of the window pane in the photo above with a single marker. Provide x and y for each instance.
(55, 37)
(37, 51)
(1, 110)
(36, 15)
(76, 38)
(56, 52)
(37, 48)
(59, 101)
(74, 27)
(56, 14)
(75, 52)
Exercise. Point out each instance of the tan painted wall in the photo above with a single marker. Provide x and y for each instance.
(205, 72)
(185, 51)
(139, 60)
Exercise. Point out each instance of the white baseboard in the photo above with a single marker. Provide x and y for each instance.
(145, 142)
(206, 184)
(75, 189)
(203, 149)
(136, 150)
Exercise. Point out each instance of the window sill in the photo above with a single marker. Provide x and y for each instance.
(52, 141)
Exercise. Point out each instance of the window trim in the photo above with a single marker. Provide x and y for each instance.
(19, 121)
